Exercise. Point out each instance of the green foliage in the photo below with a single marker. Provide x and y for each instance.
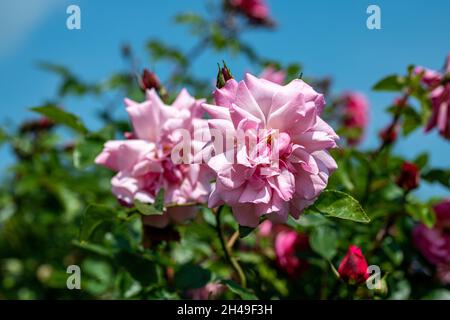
(390, 83)
(61, 116)
(338, 204)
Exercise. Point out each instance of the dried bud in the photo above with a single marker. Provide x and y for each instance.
(41, 124)
(223, 75)
(409, 177)
(149, 80)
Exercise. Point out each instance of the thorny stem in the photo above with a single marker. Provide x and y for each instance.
(227, 250)
(374, 155)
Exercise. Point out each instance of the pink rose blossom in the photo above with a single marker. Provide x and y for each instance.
(143, 162)
(440, 99)
(254, 9)
(271, 74)
(356, 114)
(287, 166)
(288, 244)
(434, 243)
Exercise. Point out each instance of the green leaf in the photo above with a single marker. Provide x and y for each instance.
(421, 212)
(86, 150)
(421, 160)
(412, 120)
(160, 51)
(438, 175)
(339, 205)
(147, 209)
(61, 116)
(93, 216)
(324, 241)
(191, 276)
(243, 293)
(390, 83)
(140, 267)
(159, 200)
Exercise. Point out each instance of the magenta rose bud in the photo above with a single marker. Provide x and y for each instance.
(255, 10)
(356, 115)
(353, 267)
(288, 244)
(389, 135)
(409, 177)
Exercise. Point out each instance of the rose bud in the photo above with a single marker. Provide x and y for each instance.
(149, 80)
(353, 267)
(409, 177)
(223, 75)
(388, 135)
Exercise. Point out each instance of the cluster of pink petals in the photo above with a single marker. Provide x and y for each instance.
(434, 243)
(440, 99)
(288, 244)
(251, 183)
(274, 75)
(356, 114)
(254, 9)
(143, 162)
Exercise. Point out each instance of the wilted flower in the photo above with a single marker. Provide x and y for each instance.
(284, 164)
(409, 177)
(440, 98)
(356, 115)
(144, 163)
(288, 245)
(434, 243)
(274, 75)
(353, 267)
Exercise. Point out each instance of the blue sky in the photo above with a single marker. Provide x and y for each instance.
(329, 38)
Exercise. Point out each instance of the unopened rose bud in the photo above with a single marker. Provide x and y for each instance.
(149, 80)
(41, 124)
(409, 177)
(223, 75)
(353, 267)
(388, 135)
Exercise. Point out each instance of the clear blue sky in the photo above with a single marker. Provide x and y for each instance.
(329, 38)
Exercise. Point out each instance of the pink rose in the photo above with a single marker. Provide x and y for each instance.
(253, 9)
(356, 114)
(210, 291)
(440, 99)
(434, 243)
(271, 74)
(143, 163)
(283, 164)
(288, 244)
